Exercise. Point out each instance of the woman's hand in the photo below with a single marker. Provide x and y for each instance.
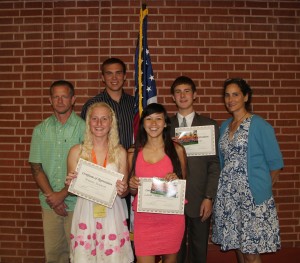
(171, 177)
(122, 188)
(70, 177)
(134, 183)
(275, 176)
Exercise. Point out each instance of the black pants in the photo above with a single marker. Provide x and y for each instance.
(195, 241)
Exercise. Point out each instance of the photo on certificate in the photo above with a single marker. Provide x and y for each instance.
(95, 183)
(156, 195)
(197, 140)
(164, 188)
(187, 137)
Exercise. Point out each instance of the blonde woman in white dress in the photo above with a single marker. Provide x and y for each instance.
(100, 234)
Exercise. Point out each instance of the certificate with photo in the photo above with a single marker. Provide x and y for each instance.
(156, 195)
(95, 183)
(197, 140)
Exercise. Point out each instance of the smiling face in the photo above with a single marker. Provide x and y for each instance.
(100, 121)
(154, 124)
(113, 77)
(61, 100)
(184, 97)
(234, 98)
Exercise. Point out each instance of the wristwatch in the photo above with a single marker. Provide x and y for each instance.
(208, 197)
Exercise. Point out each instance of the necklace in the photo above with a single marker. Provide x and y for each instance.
(233, 127)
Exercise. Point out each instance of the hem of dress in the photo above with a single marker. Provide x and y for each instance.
(247, 252)
(156, 254)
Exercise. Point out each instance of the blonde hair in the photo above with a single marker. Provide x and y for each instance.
(113, 136)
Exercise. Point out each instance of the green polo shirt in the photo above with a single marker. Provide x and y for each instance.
(50, 145)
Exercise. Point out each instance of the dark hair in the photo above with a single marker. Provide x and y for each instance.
(142, 138)
(244, 87)
(183, 80)
(110, 61)
(62, 83)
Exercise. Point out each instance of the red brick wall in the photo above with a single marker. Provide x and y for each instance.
(42, 41)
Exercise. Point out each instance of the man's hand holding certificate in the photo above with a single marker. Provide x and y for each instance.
(95, 183)
(156, 195)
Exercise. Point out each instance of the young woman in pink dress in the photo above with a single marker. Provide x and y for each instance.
(156, 155)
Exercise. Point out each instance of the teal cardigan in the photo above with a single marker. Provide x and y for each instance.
(263, 156)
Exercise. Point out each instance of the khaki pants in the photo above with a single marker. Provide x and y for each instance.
(57, 231)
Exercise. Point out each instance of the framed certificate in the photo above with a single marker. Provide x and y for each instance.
(197, 140)
(156, 195)
(95, 183)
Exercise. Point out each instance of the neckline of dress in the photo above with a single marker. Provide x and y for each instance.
(155, 162)
(238, 128)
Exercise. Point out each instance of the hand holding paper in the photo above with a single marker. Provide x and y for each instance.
(96, 183)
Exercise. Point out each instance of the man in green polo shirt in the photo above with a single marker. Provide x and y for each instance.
(50, 145)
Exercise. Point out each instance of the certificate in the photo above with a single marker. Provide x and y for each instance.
(197, 140)
(156, 195)
(95, 183)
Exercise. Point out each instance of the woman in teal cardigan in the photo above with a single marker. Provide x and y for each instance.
(245, 217)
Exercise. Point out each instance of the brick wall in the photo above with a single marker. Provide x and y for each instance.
(42, 41)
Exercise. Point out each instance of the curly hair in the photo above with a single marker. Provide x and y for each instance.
(113, 136)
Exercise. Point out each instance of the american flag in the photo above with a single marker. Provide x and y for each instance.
(145, 86)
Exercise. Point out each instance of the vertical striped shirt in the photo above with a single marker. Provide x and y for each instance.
(124, 110)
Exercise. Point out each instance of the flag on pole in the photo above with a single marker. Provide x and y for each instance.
(145, 86)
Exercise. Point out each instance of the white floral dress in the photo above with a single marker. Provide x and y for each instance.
(238, 223)
(102, 239)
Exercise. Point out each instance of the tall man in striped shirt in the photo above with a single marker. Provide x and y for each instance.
(114, 77)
